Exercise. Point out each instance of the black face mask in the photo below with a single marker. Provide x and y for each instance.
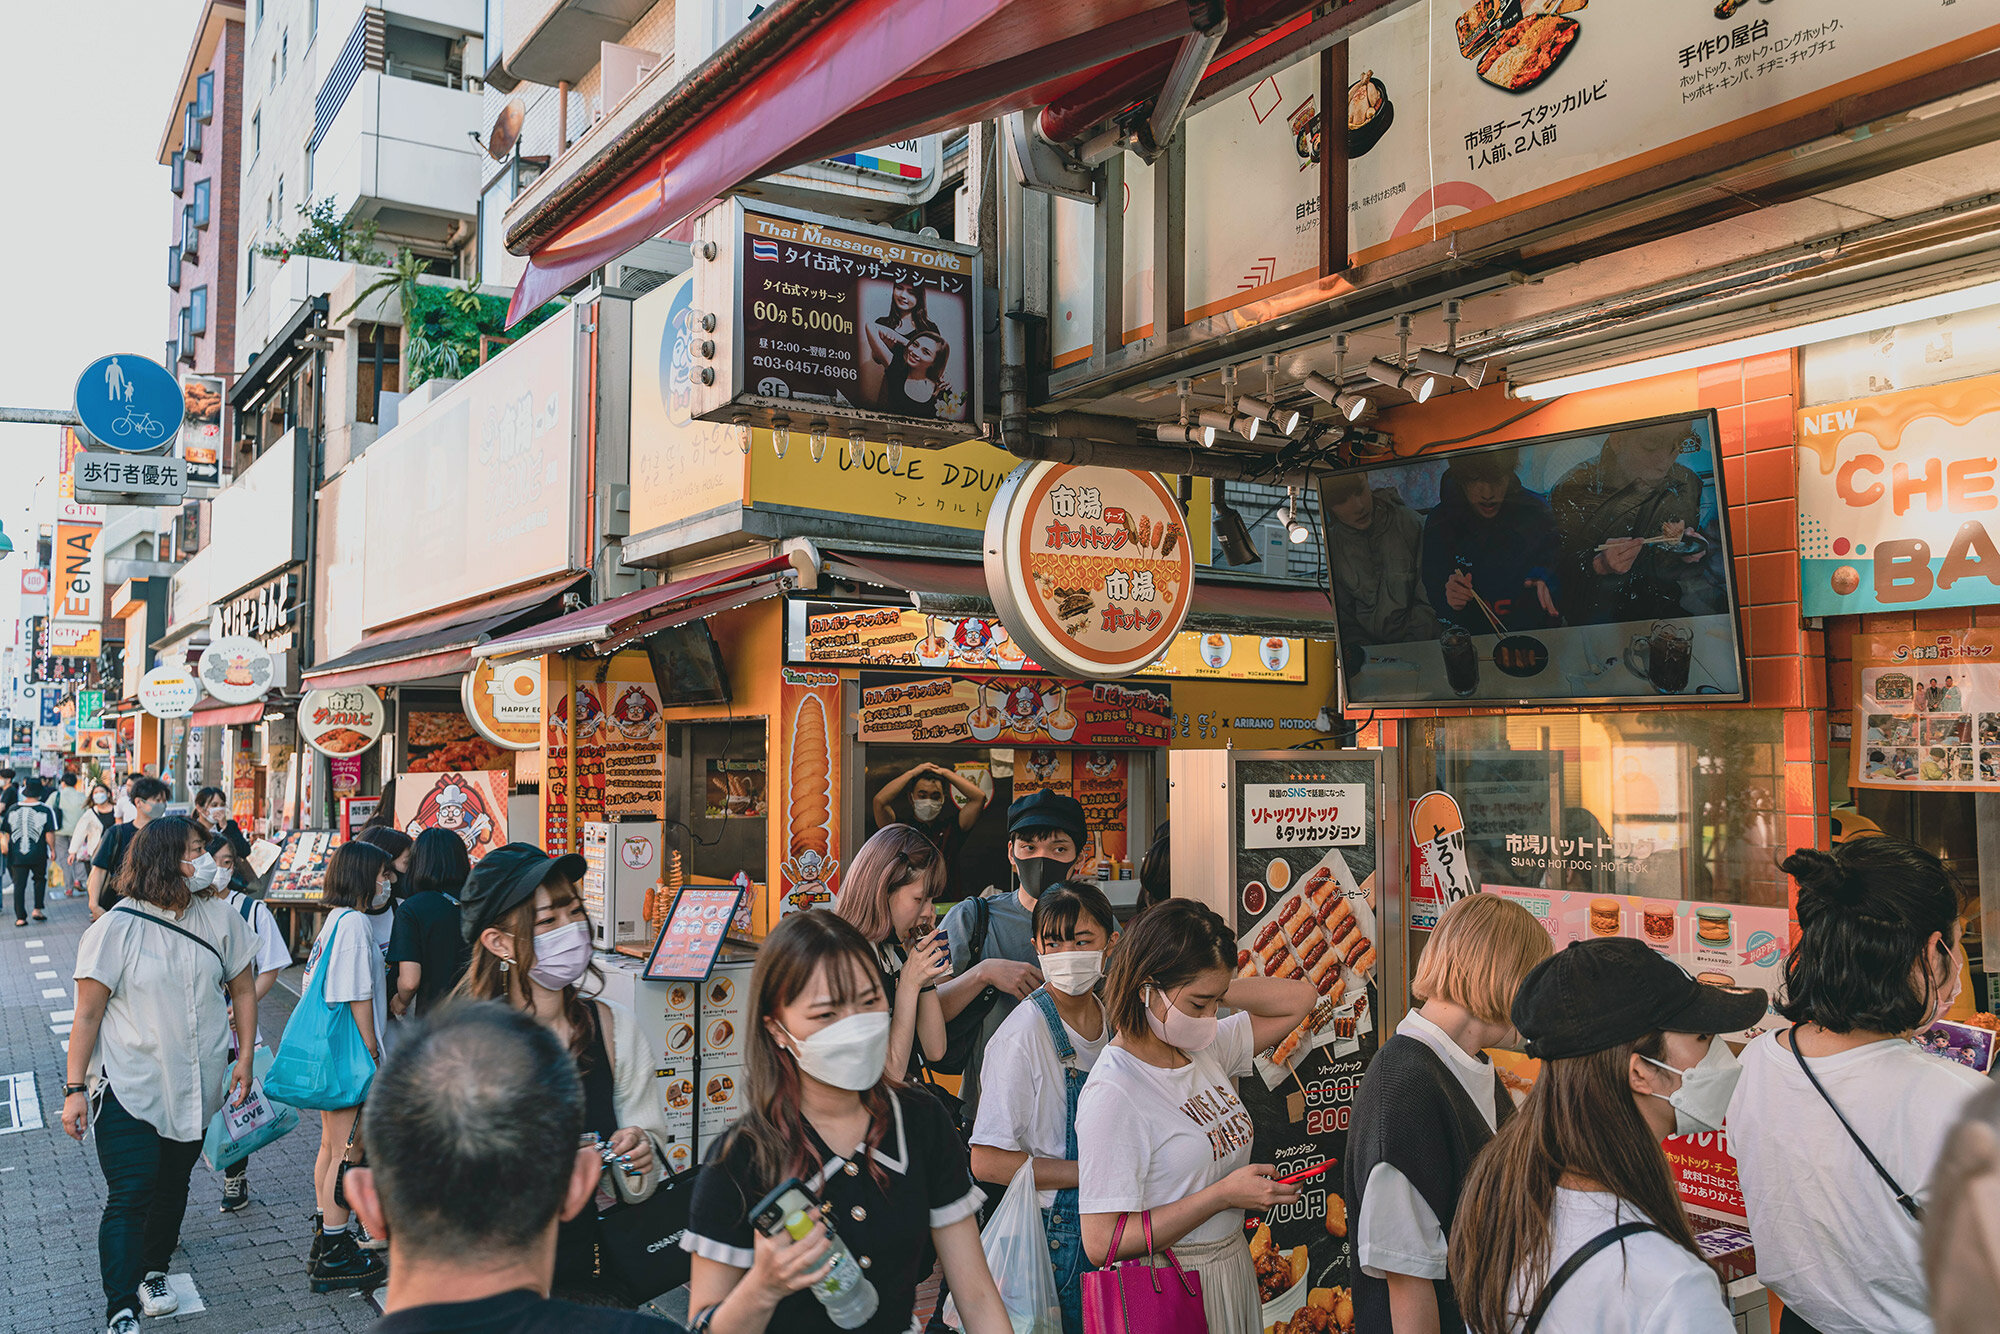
(1038, 873)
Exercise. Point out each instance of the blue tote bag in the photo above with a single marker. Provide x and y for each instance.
(322, 1063)
(237, 1132)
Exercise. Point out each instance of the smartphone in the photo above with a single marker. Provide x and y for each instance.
(788, 1197)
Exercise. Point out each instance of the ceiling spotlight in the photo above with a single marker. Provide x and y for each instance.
(1174, 433)
(1286, 420)
(816, 440)
(1238, 546)
(781, 435)
(1247, 427)
(1288, 516)
(742, 423)
(1215, 419)
(1472, 370)
(854, 446)
(895, 452)
(1419, 385)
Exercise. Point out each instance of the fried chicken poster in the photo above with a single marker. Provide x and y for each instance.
(810, 732)
(472, 805)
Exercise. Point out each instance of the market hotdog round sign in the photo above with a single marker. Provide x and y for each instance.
(343, 721)
(1090, 568)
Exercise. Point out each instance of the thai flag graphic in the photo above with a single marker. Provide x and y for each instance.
(764, 250)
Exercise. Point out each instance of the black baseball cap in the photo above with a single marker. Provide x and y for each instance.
(1046, 809)
(1598, 994)
(507, 877)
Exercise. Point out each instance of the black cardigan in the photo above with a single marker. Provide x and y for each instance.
(1412, 1113)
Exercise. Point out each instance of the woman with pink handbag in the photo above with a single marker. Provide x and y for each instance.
(1163, 1140)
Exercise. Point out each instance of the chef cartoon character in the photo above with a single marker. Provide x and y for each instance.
(456, 805)
(1041, 765)
(811, 873)
(589, 713)
(1100, 763)
(974, 637)
(635, 712)
(1023, 706)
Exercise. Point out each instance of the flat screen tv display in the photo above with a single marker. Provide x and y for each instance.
(1580, 568)
(687, 665)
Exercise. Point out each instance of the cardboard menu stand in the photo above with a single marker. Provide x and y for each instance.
(695, 928)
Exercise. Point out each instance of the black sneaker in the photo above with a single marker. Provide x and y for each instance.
(235, 1192)
(318, 1243)
(343, 1264)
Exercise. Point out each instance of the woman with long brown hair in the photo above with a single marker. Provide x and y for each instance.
(888, 894)
(1624, 1037)
(531, 948)
(883, 1159)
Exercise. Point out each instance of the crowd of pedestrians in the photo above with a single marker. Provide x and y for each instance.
(481, 1104)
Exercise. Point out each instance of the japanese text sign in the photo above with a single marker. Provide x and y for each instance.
(1281, 815)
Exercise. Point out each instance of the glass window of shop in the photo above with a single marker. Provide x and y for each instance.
(976, 858)
(1679, 805)
(718, 788)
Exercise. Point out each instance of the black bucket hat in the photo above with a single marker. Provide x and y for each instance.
(1599, 994)
(507, 877)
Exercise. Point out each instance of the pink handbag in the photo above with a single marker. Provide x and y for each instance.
(1130, 1297)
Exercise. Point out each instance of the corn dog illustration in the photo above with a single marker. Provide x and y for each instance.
(809, 835)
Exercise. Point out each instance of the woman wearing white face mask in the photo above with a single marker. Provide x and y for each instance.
(1036, 1062)
(1160, 1130)
(883, 1159)
(531, 948)
(1878, 958)
(1577, 1171)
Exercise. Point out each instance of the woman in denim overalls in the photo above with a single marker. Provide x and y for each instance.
(1025, 1110)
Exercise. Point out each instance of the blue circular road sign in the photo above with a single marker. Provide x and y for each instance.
(127, 402)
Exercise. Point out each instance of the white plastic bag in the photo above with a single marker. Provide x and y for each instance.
(1017, 1251)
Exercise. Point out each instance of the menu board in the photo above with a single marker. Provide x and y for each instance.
(300, 873)
(1927, 711)
(1304, 846)
(1723, 944)
(689, 942)
(581, 773)
(634, 753)
(1002, 711)
(1098, 780)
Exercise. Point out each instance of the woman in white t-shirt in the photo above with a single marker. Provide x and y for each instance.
(1159, 1127)
(357, 879)
(1036, 1063)
(1878, 959)
(1569, 1222)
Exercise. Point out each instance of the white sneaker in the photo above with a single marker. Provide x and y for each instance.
(123, 1323)
(155, 1297)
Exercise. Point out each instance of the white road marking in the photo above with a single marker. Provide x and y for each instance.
(39, 958)
(182, 1286)
(33, 944)
(61, 1016)
(20, 1102)
(54, 993)
(46, 974)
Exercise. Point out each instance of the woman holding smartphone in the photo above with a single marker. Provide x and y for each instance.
(1159, 1127)
(889, 895)
(883, 1160)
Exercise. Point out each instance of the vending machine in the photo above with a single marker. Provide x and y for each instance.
(624, 863)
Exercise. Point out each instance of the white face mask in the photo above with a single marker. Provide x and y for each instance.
(1074, 972)
(203, 874)
(927, 808)
(220, 878)
(1189, 1032)
(1702, 1100)
(382, 890)
(848, 1054)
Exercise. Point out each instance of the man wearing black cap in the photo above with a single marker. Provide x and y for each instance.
(993, 938)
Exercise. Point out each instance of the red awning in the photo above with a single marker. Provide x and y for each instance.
(808, 79)
(439, 645)
(608, 625)
(217, 714)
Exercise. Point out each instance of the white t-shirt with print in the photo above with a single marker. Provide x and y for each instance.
(1831, 1240)
(1147, 1137)
(1026, 1108)
(1397, 1232)
(354, 965)
(1645, 1284)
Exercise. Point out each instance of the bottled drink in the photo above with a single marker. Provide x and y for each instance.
(849, 1298)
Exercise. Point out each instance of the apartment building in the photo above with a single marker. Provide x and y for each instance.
(200, 147)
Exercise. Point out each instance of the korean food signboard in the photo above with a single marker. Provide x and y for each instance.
(1927, 711)
(1896, 500)
(1090, 568)
(1304, 846)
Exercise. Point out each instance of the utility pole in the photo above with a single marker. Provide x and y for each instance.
(40, 416)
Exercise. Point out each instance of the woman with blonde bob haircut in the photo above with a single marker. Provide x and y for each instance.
(1430, 1102)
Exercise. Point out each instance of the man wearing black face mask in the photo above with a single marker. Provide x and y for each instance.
(993, 938)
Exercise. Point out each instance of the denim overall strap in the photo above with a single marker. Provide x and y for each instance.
(1062, 1222)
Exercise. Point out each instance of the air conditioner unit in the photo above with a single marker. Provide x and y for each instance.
(648, 265)
(624, 68)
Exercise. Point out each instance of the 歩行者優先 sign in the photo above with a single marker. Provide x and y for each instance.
(130, 479)
(345, 720)
(1090, 569)
(169, 691)
(128, 403)
(504, 702)
(236, 669)
(823, 319)
(1893, 498)
(1927, 711)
